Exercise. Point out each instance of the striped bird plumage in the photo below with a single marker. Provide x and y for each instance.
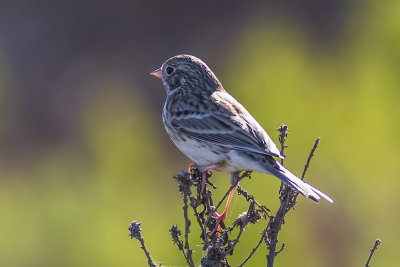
(213, 129)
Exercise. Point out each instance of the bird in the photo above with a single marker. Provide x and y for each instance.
(215, 131)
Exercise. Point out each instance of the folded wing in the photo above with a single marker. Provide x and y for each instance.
(227, 123)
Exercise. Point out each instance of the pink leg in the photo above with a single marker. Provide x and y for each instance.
(222, 217)
(203, 181)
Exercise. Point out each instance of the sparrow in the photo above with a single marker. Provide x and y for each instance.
(214, 130)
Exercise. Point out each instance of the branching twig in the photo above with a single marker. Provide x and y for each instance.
(377, 243)
(288, 198)
(286, 194)
(136, 232)
(175, 234)
(249, 197)
(218, 243)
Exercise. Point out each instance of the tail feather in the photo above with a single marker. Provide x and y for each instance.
(298, 184)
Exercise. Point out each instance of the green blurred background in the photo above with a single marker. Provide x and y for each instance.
(84, 152)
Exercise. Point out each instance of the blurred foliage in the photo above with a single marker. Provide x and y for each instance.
(71, 205)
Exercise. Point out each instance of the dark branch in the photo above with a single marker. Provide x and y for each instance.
(377, 243)
(249, 197)
(185, 183)
(309, 157)
(187, 231)
(276, 224)
(283, 133)
(175, 234)
(219, 244)
(136, 232)
(283, 246)
(263, 235)
(288, 197)
(243, 224)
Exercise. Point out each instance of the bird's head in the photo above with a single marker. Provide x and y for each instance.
(188, 73)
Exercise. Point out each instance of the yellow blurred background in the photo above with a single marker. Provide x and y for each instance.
(84, 152)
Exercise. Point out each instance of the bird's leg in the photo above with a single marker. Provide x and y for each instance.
(222, 217)
(204, 170)
(203, 181)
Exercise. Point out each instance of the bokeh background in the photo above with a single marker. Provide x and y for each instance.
(83, 150)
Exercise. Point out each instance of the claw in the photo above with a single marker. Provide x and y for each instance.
(203, 170)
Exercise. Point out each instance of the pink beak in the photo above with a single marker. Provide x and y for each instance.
(157, 73)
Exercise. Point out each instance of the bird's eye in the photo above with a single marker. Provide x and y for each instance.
(170, 70)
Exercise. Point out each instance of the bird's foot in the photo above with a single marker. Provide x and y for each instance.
(220, 218)
(191, 166)
(204, 171)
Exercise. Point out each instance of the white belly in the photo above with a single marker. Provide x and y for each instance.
(199, 153)
(228, 162)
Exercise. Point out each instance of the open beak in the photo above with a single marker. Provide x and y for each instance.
(157, 73)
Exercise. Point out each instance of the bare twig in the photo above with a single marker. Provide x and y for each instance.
(187, 231)
(286, 194)
(282, 247)
(243, 225)
(276, 224)
(176, 233)
(263, 235)
(377, 243)
(184, 187)
(197, 215)
(309, 157)
(283, 133)
(249, 197)
(136, 232)
(288, 197)
(316, 143)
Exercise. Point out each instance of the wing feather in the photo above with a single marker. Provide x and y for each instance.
(227, 124)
